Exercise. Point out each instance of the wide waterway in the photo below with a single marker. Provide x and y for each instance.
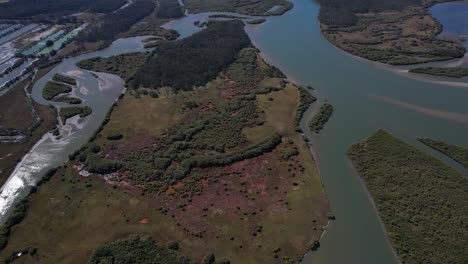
(366, 96)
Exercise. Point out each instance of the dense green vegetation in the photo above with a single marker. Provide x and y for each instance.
(139, 250)
(193, 61)
(305, 100)
(67, 99)
(16, 216)
(97, 164)
(114, 23)
(65, 79)
(321, 118)
(67, 112)
(169, 9)
(456, 72)
(53, 89)
(343, 12)
(25, 9)
(456, 153)
(421, 200)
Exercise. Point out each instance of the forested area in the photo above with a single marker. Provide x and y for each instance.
(169, 9)
(343, 12)
(137, 250)
(114, 23)
(421, 200)
(195, 60)
(25, 9)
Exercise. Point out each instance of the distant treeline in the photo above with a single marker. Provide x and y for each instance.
(196, 60)
(169, 9)
(343, 12)
(25, 9)
(114, 23)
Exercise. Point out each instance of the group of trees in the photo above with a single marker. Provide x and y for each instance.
(343, 12)
(193, 61)
(169, 9)
(114, 23)
(25, 9)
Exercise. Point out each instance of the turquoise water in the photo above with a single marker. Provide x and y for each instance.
(366, 96)
(43, 43)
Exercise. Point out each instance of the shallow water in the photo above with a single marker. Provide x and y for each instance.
(366, 96)
(49, 152)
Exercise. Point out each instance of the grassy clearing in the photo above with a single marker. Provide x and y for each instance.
(321, 118)
(456, 153)
(421, 200)
(68, 112)
(456, 72)
(53, 89)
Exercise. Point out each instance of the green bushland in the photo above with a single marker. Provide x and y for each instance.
(65, 79)
(16, 216)
(456, 72)
(53, 89)
(169, 9)
(421, 200)
(68, 112)
(25, 9)
(114, 135)
(141, 250)
(283, 8)
(193, 61)
(343, 12)
(321, 118)
(456, 153)
(305, 100)
(112, 24)
(97, 164)
(67, 99)
(124, 65)
(154, 44)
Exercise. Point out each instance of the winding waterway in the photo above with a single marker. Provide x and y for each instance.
(366, 96)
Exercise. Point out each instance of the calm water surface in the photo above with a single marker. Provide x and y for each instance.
(366, 96)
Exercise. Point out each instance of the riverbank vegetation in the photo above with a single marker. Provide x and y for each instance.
(71, 111)
(247, 7)
(193, 61)
(64, 79)
(395, 32)
(107, 29)
(305, 100)
(235, 134)
(456, 153)
(321, 118)
(137, 250)
(421, 200)
(456, 72)
(53, 89)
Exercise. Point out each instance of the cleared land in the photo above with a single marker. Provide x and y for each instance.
(456, 72)
(394, 32)
(421, 200)
(456, 153)
(274, 195)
